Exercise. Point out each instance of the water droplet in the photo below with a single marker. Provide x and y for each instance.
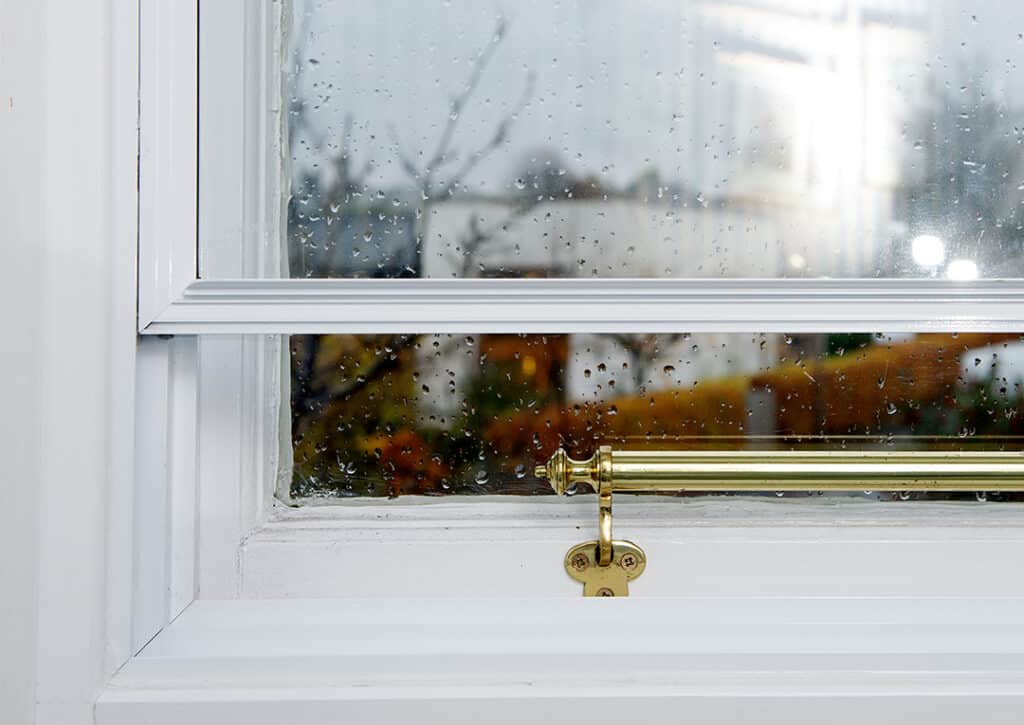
(520, 470)
(481, 477)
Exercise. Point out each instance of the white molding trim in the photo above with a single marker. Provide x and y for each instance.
(121, 549)
(233, 147)
(238, 452)
(592, 305)
(168, 152)
(844, 661)
(162, 509)
(223, 173)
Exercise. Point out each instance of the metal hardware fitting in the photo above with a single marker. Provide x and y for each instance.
(675, 471)
(609, 580)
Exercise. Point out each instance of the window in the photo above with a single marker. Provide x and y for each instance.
(798, 255)
(435, 415)
(740, 155)
(419, 364)
(706, 141)
(673, 140)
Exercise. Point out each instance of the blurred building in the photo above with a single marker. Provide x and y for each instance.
(792, 118)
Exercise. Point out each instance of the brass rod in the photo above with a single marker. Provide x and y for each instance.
(665, 471)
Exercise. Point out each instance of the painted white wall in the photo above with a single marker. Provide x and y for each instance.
(21, 209)
(67, 308)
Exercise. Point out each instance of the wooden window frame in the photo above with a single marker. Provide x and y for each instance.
(214, 547)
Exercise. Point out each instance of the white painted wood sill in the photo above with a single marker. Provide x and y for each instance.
(657, 660)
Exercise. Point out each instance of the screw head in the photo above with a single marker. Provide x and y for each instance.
(579, 562)
(605, 592)
(629, 562)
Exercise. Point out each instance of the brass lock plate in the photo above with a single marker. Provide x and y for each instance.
(628, 562)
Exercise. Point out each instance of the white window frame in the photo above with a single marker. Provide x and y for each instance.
(245, 166)
(207, 525)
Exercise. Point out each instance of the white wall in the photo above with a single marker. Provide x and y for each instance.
(21, 208)
(66, 305)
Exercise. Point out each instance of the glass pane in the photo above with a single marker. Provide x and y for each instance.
(655, 138)
(446, 414)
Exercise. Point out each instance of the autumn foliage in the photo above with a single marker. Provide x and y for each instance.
(852, 393)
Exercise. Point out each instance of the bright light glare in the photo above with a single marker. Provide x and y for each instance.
(797, 261)
(962, 269)
(928, 251)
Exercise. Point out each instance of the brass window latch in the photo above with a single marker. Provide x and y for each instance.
(606, 566)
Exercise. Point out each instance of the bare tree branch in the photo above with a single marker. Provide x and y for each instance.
(458, 102)
(322, 394)
(642, 349)
(479, 238)
(380, 365)
(496, 140)
(345, 181)
(404, 159)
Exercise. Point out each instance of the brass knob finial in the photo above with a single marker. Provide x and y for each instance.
(557, 471)
(564, 473)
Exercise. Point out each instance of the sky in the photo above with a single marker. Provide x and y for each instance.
(615, 88)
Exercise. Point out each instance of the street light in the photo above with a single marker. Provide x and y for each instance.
(962, 269)
(928, 250)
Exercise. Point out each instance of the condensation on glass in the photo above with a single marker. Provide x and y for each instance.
(764, 138)
(450, 414)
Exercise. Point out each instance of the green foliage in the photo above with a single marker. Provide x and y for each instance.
(846, 343)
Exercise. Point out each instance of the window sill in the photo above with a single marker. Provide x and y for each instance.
(647, 660)
(701, 546)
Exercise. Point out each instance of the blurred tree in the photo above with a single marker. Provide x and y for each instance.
(544, 172)
(643, 351)
(326, 202)
(433, 185)
(962, 178)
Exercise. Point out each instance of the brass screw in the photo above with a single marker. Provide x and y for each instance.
(579, 562)
(605, 592)
(628, 562)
